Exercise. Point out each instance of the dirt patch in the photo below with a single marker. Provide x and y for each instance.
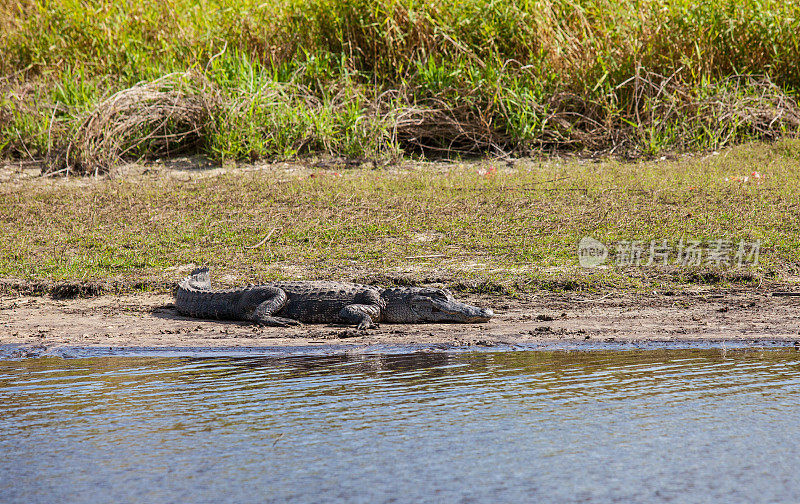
(148, 320)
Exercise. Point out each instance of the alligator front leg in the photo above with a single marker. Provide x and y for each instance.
(263, 302)
(362, 315)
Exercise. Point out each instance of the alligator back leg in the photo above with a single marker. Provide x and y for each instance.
(361, 315)
(263, 302)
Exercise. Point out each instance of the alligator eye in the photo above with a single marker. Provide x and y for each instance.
(435, 310)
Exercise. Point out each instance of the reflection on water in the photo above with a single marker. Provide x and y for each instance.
(658, 426)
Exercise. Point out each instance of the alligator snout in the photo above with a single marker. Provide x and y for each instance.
(482, 315)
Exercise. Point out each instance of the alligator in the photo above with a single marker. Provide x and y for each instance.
(320, 302)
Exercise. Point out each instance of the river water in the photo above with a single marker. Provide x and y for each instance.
(525, 426)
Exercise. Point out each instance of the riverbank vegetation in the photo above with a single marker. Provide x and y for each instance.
(86, 84)
(483, 226)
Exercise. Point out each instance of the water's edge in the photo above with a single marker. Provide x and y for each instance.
(22, 351)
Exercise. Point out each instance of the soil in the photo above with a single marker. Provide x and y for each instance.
(149, 320)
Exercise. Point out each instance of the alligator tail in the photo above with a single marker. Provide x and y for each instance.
(199, 279)
(195, 298)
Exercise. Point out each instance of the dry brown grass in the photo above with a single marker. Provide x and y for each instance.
(160, 118)
(663, 110)
(438, 127)
(740, 106)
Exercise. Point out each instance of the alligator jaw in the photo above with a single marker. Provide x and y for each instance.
(483, 315)
(461, 312)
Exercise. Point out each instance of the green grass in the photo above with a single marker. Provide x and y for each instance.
(357, 78)
(513, 229)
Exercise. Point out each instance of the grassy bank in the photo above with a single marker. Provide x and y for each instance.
(376, 79)
(480, 226)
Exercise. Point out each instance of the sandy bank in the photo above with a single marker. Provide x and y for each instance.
(149, 320)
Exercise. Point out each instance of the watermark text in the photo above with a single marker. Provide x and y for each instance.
(719, 253)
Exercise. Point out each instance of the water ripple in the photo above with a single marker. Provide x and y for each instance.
(636, 426)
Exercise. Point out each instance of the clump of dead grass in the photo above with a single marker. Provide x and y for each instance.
(644, 115)
(163, 117)
(666, 112)
(443, 128)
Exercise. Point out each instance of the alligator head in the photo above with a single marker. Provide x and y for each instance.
(419, 304)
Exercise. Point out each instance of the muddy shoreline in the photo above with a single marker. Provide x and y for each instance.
(741, 318)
